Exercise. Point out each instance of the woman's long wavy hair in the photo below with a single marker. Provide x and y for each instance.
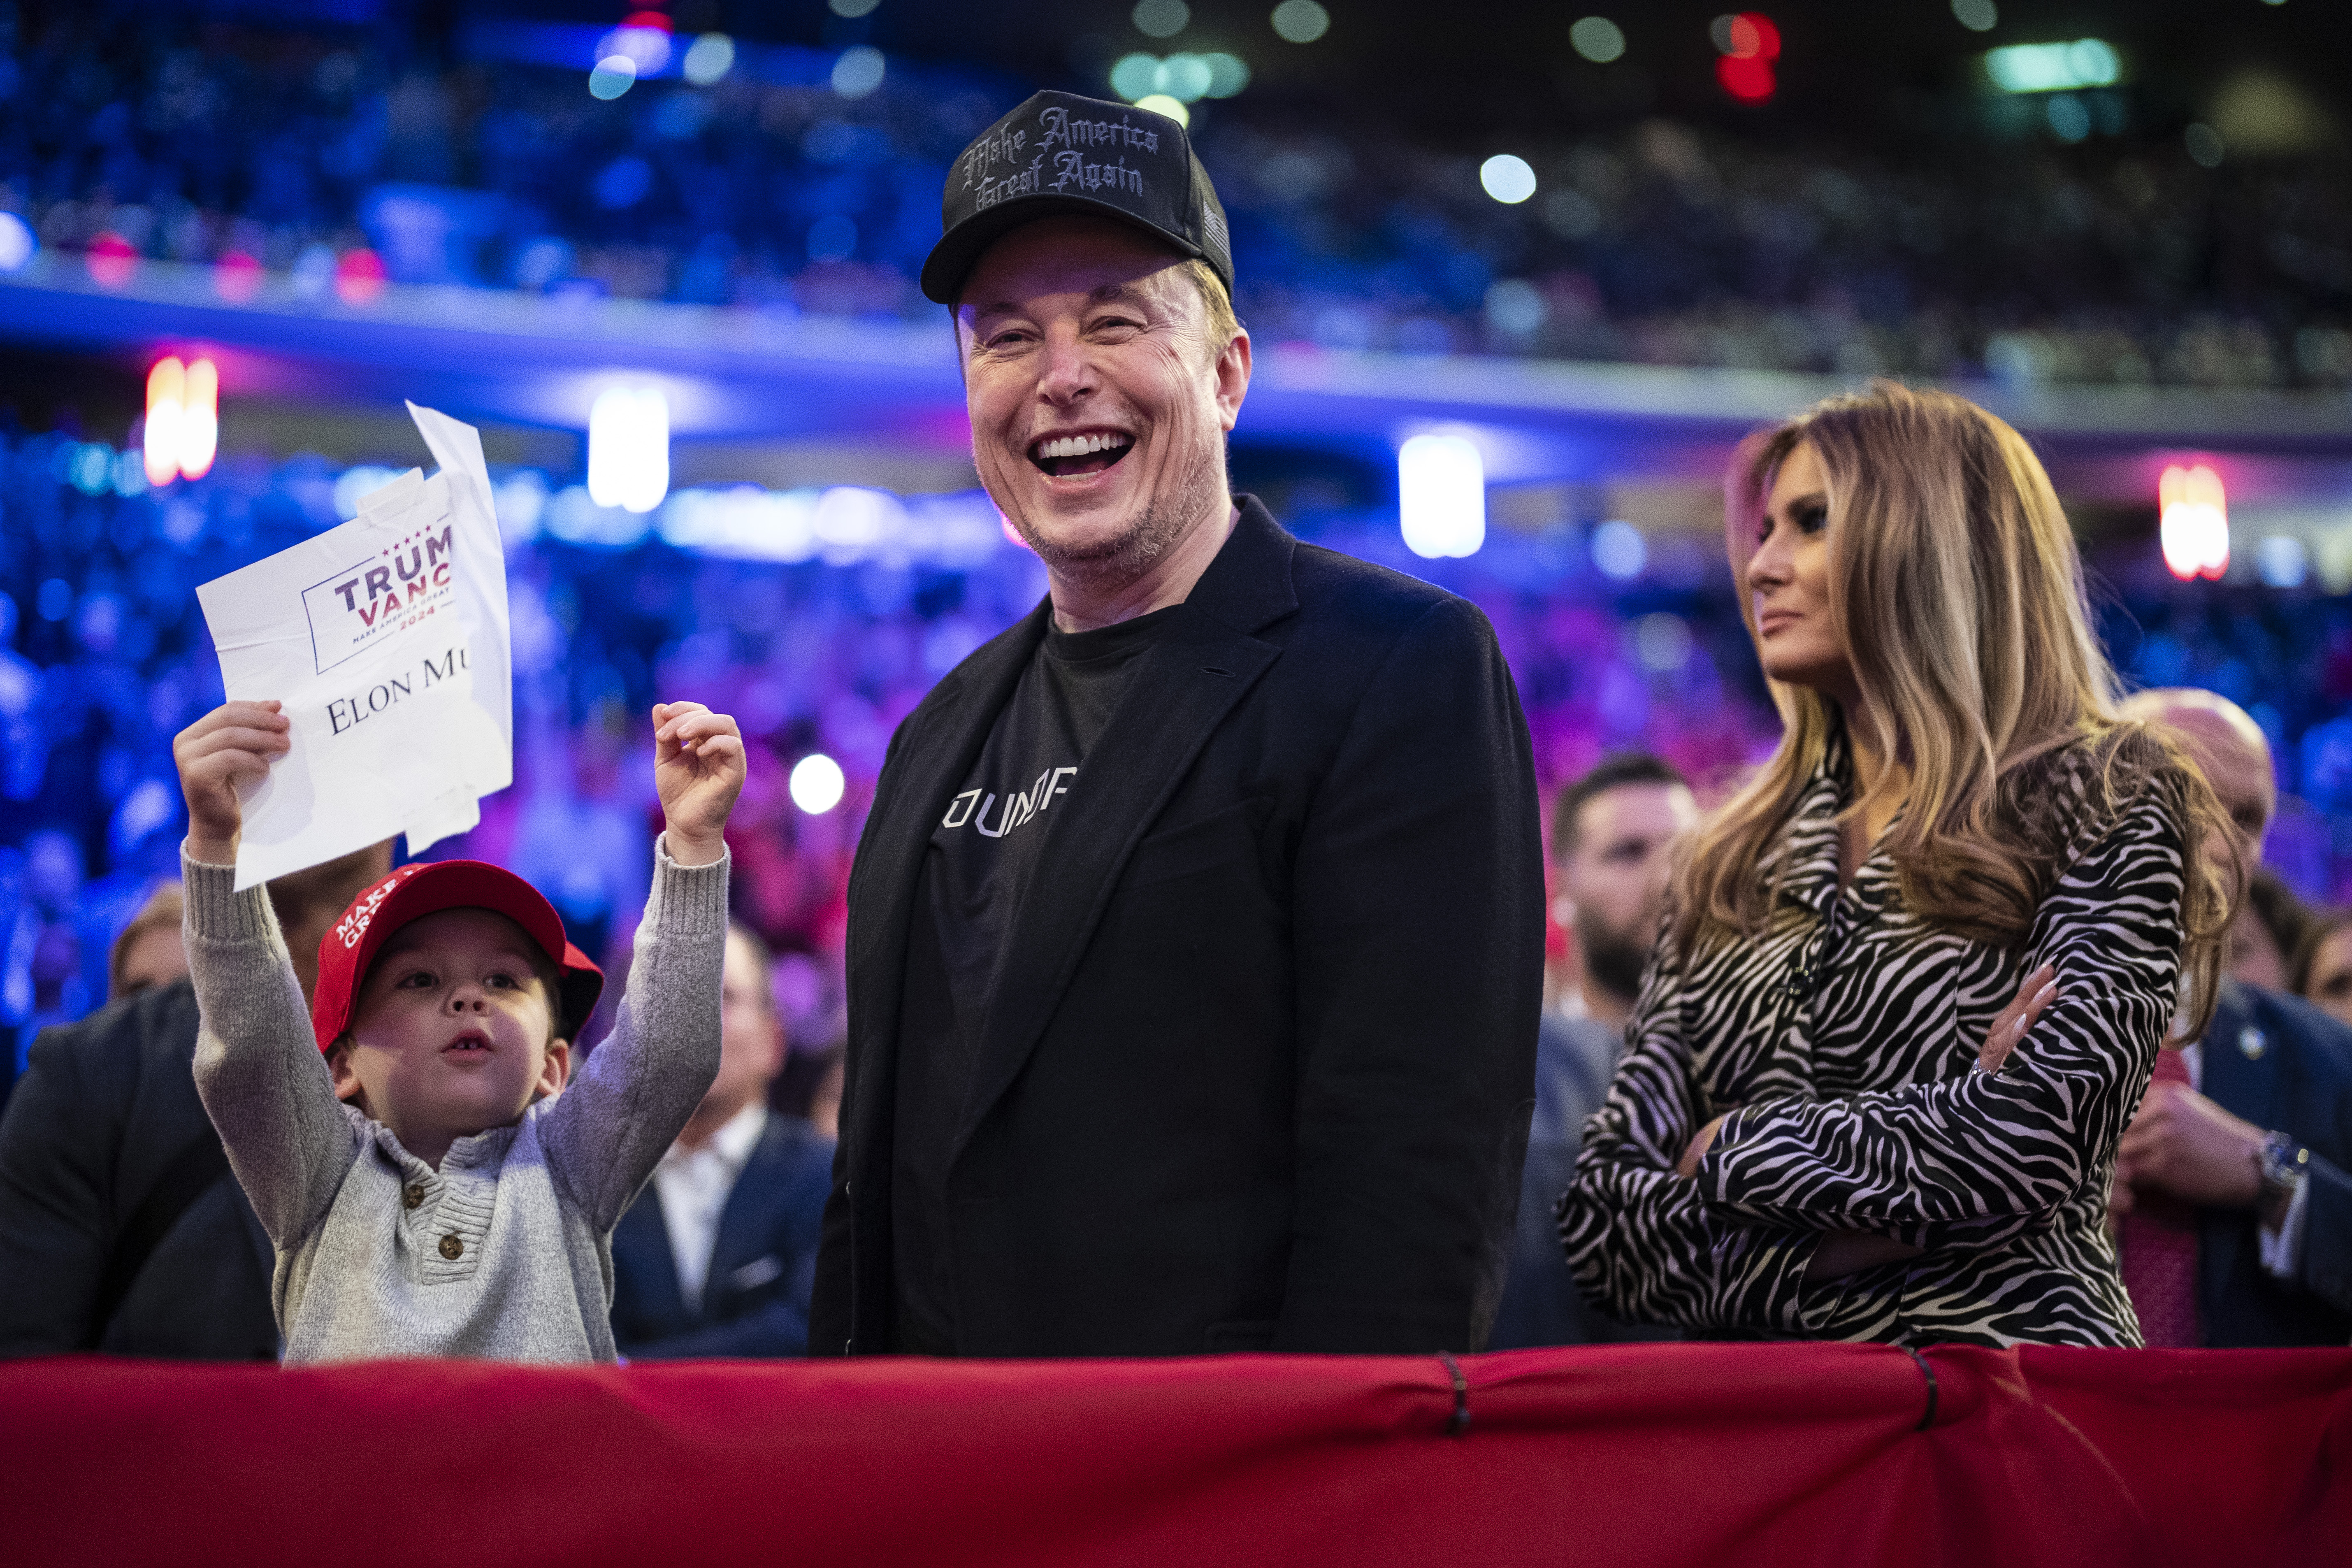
(1955, 585)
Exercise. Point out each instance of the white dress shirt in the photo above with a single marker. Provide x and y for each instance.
(2281, 1249)
(693, 1185)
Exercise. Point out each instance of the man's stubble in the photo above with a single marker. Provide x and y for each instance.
(1150, 534)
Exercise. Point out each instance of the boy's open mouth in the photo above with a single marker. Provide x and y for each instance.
(472, 1043)
(1088, 452)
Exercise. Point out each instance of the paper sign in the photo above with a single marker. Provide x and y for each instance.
(386, 640)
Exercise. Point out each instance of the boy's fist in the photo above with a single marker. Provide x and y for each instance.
(235, 741)
(699, 766)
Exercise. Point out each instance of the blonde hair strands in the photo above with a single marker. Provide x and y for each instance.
(1958, 591)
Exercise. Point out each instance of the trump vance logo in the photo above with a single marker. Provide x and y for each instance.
(402, 585)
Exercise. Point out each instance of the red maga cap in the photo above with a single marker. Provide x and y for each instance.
(427, 888)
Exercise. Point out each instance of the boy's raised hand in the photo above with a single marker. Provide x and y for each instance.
(699, 767)
(235, 741)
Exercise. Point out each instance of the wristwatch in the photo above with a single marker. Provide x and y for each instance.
(2284, 1163)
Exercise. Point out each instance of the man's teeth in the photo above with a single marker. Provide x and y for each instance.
(1079, 445)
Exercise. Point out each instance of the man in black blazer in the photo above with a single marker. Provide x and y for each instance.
(2257, 1148)
(717, 1256)
(1196, 932)
(121, 1228)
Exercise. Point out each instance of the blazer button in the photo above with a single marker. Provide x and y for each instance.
(451, 1247)
(412, 1195)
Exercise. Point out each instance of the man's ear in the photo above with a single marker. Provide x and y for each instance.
(556, 1067)
(1233, 372)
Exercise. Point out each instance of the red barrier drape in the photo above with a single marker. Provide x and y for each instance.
(1751, 1455)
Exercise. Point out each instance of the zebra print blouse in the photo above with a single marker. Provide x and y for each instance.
(1842, 1041)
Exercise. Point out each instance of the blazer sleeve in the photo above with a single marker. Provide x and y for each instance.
(1642, 1243)
(1975, 1160)
(778, 1329)
(1417, 901)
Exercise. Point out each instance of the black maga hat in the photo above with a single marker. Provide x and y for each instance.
(1059, 153)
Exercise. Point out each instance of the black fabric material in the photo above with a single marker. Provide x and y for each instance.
(973, 880)
(755, 1299)
(2296, 1080)
(106, 1109)
(1256, 1070)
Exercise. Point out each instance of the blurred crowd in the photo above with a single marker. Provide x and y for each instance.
(788, 183)
(104, 655)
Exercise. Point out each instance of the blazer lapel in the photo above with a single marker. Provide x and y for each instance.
(1183, 687)
(746, 1224)
(2239, 1071)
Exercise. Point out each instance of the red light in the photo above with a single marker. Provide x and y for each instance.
(648, 19)
(1747, 78)
(112, 260)
(1754, 37)
(359, 276)
(237, 276)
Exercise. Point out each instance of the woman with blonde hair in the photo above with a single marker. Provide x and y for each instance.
(1917, 972)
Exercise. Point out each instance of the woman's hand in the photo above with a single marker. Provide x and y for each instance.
(235, 741)
(2034, 993)
(698, 770)
(1703, 1139)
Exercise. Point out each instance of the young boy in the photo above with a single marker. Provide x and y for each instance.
(432, 1187)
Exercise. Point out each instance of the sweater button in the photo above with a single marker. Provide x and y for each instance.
(451, 1247)
(412, 1195)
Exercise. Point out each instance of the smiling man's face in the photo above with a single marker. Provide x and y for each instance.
(454, 1031)
(1098, 401)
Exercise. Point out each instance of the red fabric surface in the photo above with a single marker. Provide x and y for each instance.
(1640, 1454)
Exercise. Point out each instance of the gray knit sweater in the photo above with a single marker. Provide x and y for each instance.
(506, 1251)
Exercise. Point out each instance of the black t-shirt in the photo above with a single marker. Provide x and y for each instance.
(984, 854)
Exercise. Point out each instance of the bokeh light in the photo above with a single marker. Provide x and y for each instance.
(16, 242)
(2204, 144)
(111, 259)
(1976, 16)
(628, 448)
(1160, 103)
(1161, 18)
(1507, 177)
(359, 276)
(1598, 40)
(1300, 21)
(2193, 526)
(852, 9)
(1441, 496)
(707, 59)
(614, 75)
(858, 71)
(1619, 550)
(817, 783)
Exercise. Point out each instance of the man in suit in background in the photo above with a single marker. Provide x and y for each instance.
(121, 1228)
(2233, 1197)
(1196, 933)
(716, 1257)
(1612, 834)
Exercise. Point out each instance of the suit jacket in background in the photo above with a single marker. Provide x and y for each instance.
(1541, 1303)
(106, 1105)
(2285, 1066)
(755, 1299)
(1256, 1070)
